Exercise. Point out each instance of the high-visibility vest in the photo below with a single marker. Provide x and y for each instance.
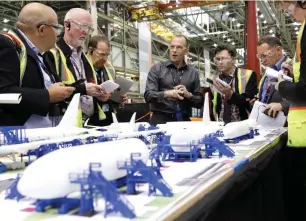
(67, 77)
(21, 51)
(264, 76)
(110, 70)
(243, 76)
(297, 111)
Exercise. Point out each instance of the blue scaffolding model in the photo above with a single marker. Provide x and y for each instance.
(94, 184)
(164, 150)
(250, 135)
(139, 172)
(12, 192)
(12, 135)
(213, 144)
(47, 148)
(3, 167)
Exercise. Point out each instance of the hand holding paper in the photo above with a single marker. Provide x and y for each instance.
(109, 86)
(276, 74)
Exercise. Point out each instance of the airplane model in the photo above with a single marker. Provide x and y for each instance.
(203, 125)
(66, 131)
(35, 181)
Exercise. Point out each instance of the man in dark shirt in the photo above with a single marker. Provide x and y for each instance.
(173, 87)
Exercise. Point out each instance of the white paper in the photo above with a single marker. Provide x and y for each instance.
(10, 98)
(275, 74)
(109, 86)
(264, 120)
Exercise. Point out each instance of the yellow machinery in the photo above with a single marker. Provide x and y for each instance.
(144, 11)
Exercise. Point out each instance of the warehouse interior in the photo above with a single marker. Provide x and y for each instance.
(206, 24)
(157, 110)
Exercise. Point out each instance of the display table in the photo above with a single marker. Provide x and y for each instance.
(202, 190)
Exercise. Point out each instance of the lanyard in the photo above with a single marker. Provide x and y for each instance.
(80, 72)
(43, 66)
(176, 79)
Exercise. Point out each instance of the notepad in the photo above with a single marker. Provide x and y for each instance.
(109, 86)
(264, 120)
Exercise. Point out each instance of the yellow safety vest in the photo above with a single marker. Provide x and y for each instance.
(68, 78)
(110, 70)
(297, 112)
(22, 52)
(263, 78)
(243, 76)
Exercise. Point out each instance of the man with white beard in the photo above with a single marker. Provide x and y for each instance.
(71, 64)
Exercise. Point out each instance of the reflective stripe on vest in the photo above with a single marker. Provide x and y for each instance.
(110, 70)
(297, 112)
(243, 76)
(22, 54)
(100, 111)
(67, 77)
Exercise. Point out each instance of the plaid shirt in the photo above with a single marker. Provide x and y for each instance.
(235, 116)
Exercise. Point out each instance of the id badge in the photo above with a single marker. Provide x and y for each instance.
(179, 114)
(105, 107)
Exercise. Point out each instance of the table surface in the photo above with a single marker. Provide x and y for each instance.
(190, 182)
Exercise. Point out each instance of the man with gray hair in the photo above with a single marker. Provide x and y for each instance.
(23, 71)
(71, 64)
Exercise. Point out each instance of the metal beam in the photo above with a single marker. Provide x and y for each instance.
(226, 28)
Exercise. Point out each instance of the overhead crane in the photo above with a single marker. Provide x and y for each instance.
(155, 10)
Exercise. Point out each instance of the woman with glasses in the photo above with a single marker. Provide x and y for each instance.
(295, 154)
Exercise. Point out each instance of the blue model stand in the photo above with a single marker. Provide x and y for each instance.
(139, 172)
(92, 185)
(250, 135)
(256, 132)
(12, 192)
(12, 135)
(47, 148)
(164, 150)
(3, 167)
(213, 144)
(238, 139)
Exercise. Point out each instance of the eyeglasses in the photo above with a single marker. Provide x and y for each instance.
(264, 55)
(83, 27)
(57, 27)
(101, 54)
(222, 59)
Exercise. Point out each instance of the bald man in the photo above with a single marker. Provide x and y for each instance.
(73, 67)
(42, 97)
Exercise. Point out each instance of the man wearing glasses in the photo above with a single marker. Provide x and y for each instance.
(23, 70)
(173, 87)
(270, 53)
(73, 67)
(99, 49)
(231, 100)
